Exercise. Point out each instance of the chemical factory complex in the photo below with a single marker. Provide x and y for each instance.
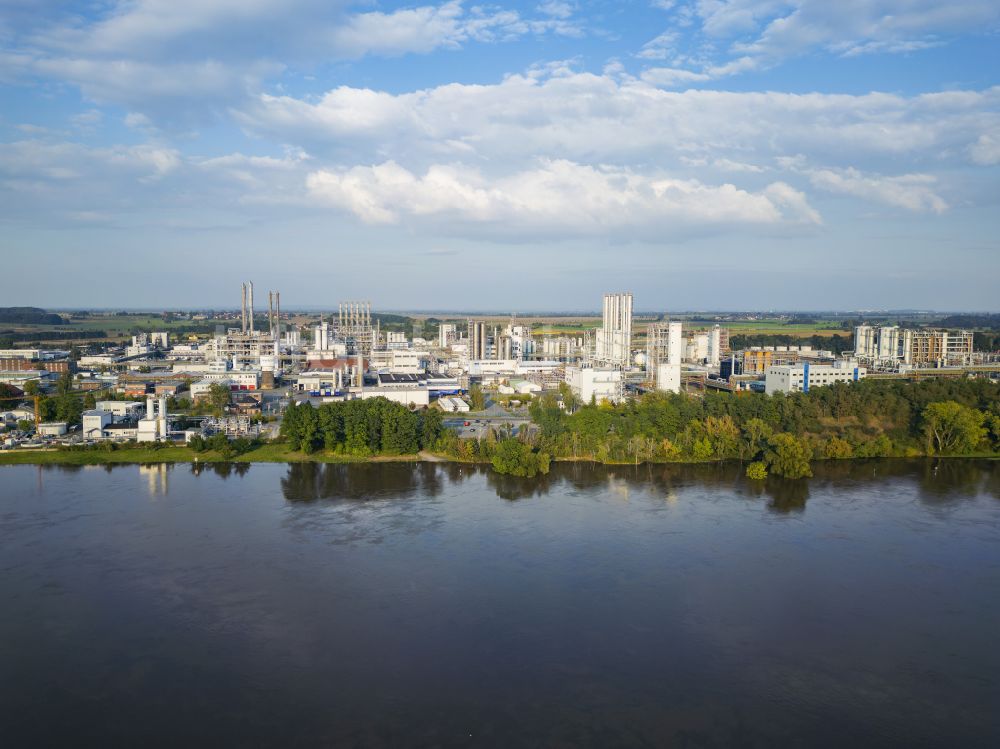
(347, 355)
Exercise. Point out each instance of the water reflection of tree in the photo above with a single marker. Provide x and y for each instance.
(312, 481)
(949, 480)
(992, 471)
(513, 488)
(222, 470)
(63, 467)
(787, 495)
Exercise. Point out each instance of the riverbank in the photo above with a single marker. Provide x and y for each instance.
(274, 453)
(279, 453)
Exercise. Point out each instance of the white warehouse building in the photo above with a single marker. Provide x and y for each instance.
(588, 383)
(799, 378)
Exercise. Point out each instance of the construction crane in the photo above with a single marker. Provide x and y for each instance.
(38, 405)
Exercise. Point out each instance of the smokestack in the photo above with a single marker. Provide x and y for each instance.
(270, 312)
(250, 301)
(243, 323)
(277, 327)
(162, 419)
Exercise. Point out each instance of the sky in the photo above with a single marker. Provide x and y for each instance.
(703, 154)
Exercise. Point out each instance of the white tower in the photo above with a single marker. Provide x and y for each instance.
(614, 339)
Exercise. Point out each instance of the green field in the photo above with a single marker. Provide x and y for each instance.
(119, 327)
(115, 327)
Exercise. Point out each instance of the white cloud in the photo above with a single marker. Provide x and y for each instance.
(914, 192)
(425, 29)
(557, 8)
(986, 150)
(659, 48)
(163, 57)
(34, 159)
(729, 165)
(672, 77)
(609, 119)
(557, 196)
(155, 87)
(764, 33)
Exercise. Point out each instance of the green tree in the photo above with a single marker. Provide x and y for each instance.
(757, 470)
(431, 427)
(31, 388)
(788, 456)
(64, 384)
(836, 448)
(724, 436)
(308, 432)
(701, 449)
(951, 427)
(569, 399)
(218, 397)
(755, 434)
(880, 447)
(546, 413)
(513, 457)
(476, 398)
(68, 408)
(219, 443)
(994, 427)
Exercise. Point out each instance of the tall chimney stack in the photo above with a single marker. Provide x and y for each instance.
(243, 318)
(250, 301)
(277, 330)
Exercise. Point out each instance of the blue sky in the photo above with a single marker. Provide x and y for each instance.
(723, 154)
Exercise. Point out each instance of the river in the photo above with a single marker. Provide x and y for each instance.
(396, 605)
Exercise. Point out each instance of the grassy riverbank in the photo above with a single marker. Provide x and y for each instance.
(272, 453)
(279, 453)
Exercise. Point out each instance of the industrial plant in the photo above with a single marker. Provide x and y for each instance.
(237, 380)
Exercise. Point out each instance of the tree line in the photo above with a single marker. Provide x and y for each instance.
(363, 428)
(871, 418)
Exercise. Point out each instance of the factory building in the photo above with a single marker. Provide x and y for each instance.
(94, 423)
(757, 360)
(349, 334)
(400, 361)
(516, 342)
(714, 347)
(801, 377)
(614, 339)
(395, 340)
(477, 340)
(664, 346)
(121, 409)
(668, 377)
(52, 428)
(891, 346)
(153, 426)
(447, 334)
(248, 347)
(564, 347)
(596, 384)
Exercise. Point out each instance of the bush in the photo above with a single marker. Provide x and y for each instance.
(788, 456)
(837, 448)
(757, 470)
(515, 458)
